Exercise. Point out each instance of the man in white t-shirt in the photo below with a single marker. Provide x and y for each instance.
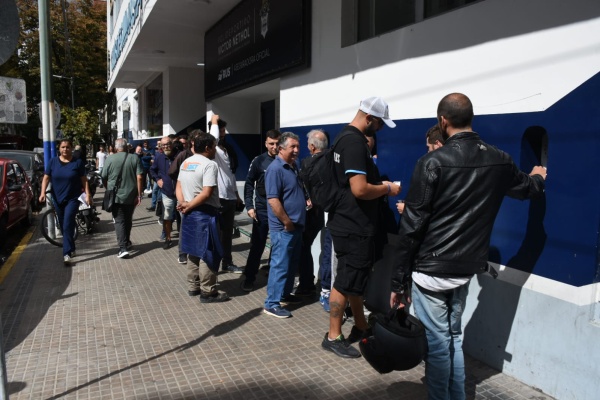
(198, 200)
(228, 193)
(100, 158)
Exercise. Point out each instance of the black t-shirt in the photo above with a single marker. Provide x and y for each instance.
(352, 156)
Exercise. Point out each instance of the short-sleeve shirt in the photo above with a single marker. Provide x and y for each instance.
(282, 182)
(65, 178)
(128, 189)
(101, 156)
(196, 173)
(352, 215)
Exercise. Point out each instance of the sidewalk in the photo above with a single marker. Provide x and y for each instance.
(109, 328)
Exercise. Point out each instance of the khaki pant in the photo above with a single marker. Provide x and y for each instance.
(201, 277)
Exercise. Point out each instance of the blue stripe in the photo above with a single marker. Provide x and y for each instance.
(353, 171)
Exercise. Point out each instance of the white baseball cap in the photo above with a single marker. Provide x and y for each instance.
(377, 107)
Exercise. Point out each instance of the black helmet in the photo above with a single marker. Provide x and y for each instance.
(398, 342)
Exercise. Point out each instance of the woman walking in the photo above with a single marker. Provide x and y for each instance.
(68, 179)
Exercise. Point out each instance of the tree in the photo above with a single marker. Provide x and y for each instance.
(78, 52)
(80, 125)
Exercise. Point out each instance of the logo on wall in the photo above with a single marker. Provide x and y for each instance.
(264, 18)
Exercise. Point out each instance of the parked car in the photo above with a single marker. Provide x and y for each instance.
(33, 163)
(15, 196)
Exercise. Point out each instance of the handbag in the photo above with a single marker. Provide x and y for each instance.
(110, 195)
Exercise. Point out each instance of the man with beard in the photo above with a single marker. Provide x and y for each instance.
(160, 173)
(454, 197)
(353, 222)
(256, 205)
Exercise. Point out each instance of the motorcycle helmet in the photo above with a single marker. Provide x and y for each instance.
(398, 342)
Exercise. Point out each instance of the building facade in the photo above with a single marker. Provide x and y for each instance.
(530, 67)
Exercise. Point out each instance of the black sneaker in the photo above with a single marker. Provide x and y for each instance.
(290, 299)
(356, 334)
(340, 347)
(233, 269)
(217, 297)
(123, 254)
(195, 292)
(247, 286)
(305, 292)
(182, 259)
(168, 244)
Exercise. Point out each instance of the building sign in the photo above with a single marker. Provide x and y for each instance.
(13, 101)
(256, 41)
(130, 17)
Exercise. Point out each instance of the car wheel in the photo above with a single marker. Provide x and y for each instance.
(3, 222)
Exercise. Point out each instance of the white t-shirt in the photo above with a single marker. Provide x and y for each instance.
(101, 156)
(227, 183)
(196, 173)
(437, 284)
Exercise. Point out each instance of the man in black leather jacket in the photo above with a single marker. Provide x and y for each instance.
(454, 197)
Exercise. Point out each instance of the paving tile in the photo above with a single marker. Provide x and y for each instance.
(112, 328)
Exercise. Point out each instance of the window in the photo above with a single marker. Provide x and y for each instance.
(364, 19)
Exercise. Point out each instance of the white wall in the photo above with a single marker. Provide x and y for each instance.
(473, 50)
(183, 91)
(242, 114)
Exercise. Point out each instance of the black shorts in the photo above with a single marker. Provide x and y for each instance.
(355, 259)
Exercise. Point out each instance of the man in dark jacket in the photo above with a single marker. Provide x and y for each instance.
(454, 197)
(160, 173)
(256, 206)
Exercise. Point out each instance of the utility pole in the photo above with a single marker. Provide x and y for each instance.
(47, 104)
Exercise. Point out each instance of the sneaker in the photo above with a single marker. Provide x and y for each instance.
(277, 312)
(324, 300)
(195, 292)
(148, 191)
(73, 254)
(247, 286)
(356, 334)
(233, 269)
(168, 244)
(160, 222)
(151, 208)
(302, 292)
(163, 236)
(129, 245)
(291, 299)
(216, 297)
(182, 259)
(340, 347)
(67, 260)
(123, 254)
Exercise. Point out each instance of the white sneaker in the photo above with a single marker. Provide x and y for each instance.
(147, 191)
(67, 260)
(123, 254)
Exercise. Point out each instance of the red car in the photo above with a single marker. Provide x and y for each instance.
(15, 196)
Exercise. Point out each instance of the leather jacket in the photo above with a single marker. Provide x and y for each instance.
(455, 194)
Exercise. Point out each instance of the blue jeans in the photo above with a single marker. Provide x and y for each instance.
(441, 313)
(325, 259)
(155, 193)
(285, 257)
(260, 233)
(66, 214)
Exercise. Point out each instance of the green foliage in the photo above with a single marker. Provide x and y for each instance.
(80, 125)
(86, 22)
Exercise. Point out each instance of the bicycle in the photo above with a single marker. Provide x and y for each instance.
(50, 226)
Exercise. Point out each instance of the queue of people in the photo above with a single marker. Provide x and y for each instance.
(455, 193)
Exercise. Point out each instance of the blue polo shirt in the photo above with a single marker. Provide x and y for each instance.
(65, 178)
(282, 182)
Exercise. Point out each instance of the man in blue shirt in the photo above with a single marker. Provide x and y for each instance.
(286, 214)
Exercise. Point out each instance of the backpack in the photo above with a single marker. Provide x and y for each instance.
(320, 179)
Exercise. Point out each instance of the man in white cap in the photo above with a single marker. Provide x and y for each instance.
(353, 223)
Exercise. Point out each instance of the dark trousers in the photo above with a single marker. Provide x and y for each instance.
(66, 214)
(325, 259)
(123, 215)
(314, 224)
(226, 224)
(258, 240)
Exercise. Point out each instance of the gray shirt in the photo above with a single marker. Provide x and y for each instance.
(196, 173)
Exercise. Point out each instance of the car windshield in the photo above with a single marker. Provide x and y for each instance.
(23, 159)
